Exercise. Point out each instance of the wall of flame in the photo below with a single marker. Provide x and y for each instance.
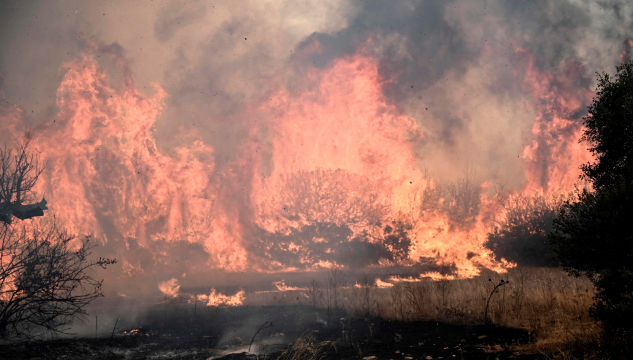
(335, 151)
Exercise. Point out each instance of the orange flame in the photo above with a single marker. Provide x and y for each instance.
(218, 299)
(552, 160)
(105, 169)
(344, 124)
(281, 286)
(170, 288)
(383, 285)
(626, 53)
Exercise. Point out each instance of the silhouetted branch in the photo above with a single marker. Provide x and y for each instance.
(19, 171)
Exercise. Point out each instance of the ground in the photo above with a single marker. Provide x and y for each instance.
(298, 332)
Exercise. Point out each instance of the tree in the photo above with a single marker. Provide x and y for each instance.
(19, 171)
(609, 129)
(44, 281)
(592, 236)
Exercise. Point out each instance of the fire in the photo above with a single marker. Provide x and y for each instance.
(170, 288)
(328, 176)
(383, 285)
(218, 299)
(281, 286)
(626, 53)
(436, 276)
(553, 158)
(105, 168)
(344, 156)
(344, 125)
(395, 279)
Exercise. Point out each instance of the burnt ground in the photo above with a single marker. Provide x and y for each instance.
(226, 334)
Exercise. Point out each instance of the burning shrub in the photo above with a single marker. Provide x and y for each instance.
(521, 236)
(459, 200)
(326, 196)
(326, 216)
(396, 239)
(170, 288)
(322, 243)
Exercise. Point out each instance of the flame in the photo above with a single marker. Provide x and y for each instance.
(281, 286)
(217, 299)
(553, 158)
(383, 285)
(106, 170)
(436, 276)
(170, 288)
(344, 155)
(395, 279)
(626, 53)
(327, 169)
(346, 126)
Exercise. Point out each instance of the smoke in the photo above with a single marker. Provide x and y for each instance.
(269, 136)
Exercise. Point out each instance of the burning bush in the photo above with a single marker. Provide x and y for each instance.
(459, 200)
(331, 216)
(326, 196)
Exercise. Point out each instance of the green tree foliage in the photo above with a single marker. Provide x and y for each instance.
(592, 236)
(609, 129)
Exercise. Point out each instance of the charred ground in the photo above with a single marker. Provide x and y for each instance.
(224, 335)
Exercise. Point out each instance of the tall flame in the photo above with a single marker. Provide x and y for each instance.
(552, 160)
(106, 175)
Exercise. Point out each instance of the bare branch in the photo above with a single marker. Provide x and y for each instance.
(20, 169)
(44, 281)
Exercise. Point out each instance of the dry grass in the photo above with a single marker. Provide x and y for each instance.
(306, 348)
(547, 302)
